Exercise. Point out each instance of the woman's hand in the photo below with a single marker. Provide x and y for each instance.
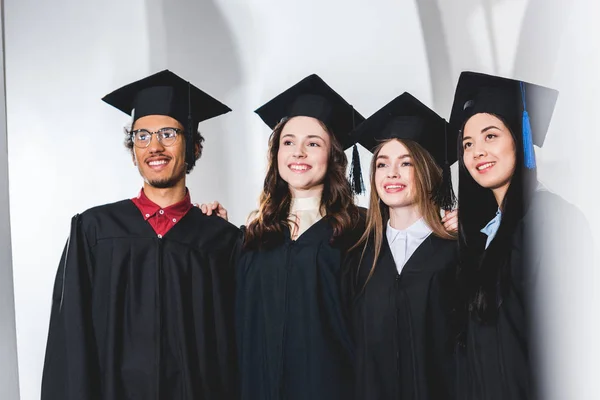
(214, 207)
(450, 221)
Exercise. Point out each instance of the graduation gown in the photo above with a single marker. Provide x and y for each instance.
(293, 340)
(138, 317)
(400, 323)
(504, 359)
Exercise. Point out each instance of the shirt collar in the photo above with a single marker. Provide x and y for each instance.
(418, 230)
(149, 208)
(492, 227)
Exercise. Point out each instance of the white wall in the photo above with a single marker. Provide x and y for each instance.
(8, 341)
(65, 150)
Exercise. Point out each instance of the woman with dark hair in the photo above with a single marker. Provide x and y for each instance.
(404, 262)
(293, 341)
(504, 216)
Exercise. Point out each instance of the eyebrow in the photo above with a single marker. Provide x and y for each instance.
(387, 157)
(309, 136)
(484, 130)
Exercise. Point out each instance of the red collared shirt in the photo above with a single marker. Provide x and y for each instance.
(162, 219)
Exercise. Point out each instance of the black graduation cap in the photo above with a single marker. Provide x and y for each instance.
(312, 97)
(525, 105)
(407, 118)
(165, 93)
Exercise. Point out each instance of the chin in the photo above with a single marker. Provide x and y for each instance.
(488, 183)
(396, 203)
(164, 183)
(300, 184)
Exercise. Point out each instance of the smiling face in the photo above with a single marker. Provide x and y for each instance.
(303, 154)
(394, 175)
(489, 152)
(160, 166)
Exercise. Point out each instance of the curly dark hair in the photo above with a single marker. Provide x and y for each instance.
(267, 229)
(198, 139)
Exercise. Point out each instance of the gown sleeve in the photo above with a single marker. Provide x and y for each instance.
(71, 363)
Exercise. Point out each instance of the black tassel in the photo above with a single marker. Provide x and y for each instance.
(444, 195)
(356, 179)
(190, 157)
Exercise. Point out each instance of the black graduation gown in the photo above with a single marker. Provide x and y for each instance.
(138, 317)
(293, 339)
(400, 323)
(501, 358)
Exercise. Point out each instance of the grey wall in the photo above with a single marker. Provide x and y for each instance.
(9, 379)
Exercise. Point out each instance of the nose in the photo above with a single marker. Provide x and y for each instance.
(155, 145)
(299, 152)
(479, 151)
(393, 172)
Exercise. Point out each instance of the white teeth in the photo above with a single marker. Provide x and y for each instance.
(395, 186)
(484, 166)
(157, 162)
(299, 167)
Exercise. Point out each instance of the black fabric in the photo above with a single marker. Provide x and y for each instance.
(312, 97)
(505, 359)
(293, 338)
(481, 93)
(165, 93)
(401, 322)
(138, 317)
(407, 118)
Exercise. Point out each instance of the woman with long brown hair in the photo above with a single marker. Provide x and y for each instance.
(399, 269)
(293, 341)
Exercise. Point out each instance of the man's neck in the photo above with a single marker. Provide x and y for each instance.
(165, 197)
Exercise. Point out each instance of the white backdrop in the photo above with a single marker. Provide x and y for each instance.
(65, 145)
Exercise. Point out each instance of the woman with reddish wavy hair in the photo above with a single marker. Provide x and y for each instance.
(291, 328)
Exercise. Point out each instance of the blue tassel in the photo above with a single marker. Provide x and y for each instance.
(528, 151)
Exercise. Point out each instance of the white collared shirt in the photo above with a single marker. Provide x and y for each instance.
(403, 243)
(306, 212)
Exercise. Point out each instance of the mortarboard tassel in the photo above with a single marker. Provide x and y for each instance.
(528, 150)
(356, 179)
(190, 158)
(444, 195)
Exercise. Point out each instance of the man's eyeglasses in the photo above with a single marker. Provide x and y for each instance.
(166, 136)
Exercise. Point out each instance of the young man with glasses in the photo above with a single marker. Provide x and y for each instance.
(143, 299)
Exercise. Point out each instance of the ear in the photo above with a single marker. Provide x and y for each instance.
(196, 150)
(133, 158)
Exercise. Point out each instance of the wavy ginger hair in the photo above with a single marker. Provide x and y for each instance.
(272, 218)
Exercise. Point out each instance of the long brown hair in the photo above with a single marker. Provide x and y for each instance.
(426, 178)
(272, 218)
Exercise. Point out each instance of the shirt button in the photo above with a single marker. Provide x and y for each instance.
(174, 220)
(161, 212)
(147, 215)
(159, 236)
